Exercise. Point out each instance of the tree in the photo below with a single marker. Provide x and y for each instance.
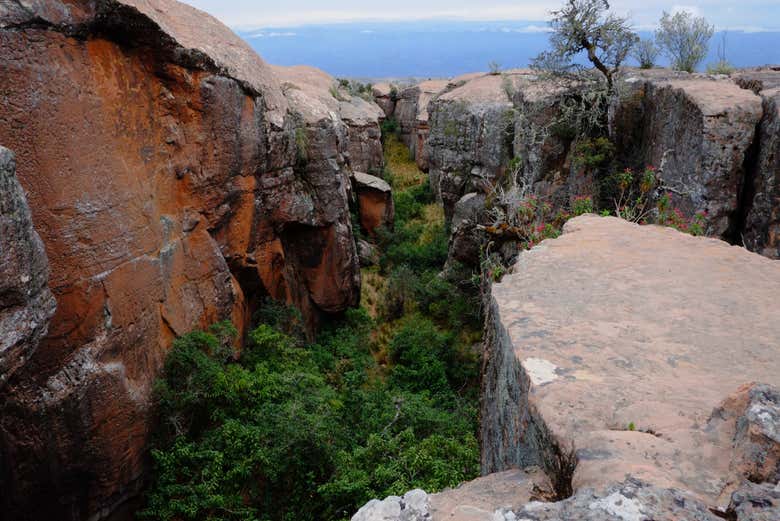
(588, 26)
(646, 52)
(684, 38)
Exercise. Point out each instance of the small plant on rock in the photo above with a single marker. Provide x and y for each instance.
(633, 194)
(668, 215)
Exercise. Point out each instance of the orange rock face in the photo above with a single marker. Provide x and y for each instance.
(160, 164)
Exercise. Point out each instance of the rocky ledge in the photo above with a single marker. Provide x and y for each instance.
(637, 367)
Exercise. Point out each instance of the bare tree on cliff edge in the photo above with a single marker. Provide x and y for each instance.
(587, 26)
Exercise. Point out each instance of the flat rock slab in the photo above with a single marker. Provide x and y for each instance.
(631, 337)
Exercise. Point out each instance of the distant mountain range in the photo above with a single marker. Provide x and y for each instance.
(444, 48)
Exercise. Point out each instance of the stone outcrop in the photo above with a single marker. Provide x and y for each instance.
(321, 102)
(411, 113)
(166, 179)
(471, 133)
(386, 96)
(713, 141)
(375, 202)
(26, 303)
(623, 355)
(700, 134)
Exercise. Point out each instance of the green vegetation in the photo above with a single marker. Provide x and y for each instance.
(684, 38)
(301, 146)
(385, 400)
(646, 53)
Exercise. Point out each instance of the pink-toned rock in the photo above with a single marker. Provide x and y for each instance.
(617, 342)
(375, 202)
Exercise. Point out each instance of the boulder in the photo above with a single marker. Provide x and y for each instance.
(608, 349)
(467, 238)
(385, 95)
(755, 410)
(375, 202)
(755, 502)
(162, 163)
(413, 506)
(26, 303)
(368, 253)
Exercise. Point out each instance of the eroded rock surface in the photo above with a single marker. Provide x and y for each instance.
(163, 164)
(701, 135)
(375, 202)
(411, 112)
(762, 219)
(616, 343)
(26, 303)
(470, 138)
(322, 103)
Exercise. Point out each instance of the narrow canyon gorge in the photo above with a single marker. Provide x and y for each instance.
(157, 176)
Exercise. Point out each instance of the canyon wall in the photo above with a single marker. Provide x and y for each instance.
(174, 181)
(712, 140)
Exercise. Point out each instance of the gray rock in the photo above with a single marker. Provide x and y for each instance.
(631, 500)
(413, 506)
(368, 253)
(756, 502)
(26, 304)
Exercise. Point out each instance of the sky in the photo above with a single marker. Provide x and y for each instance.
(745, 15)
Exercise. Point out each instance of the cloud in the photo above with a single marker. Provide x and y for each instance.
(287, 34)
(692, 9)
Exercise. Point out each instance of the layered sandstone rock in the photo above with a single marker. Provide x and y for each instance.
(26, 303)
(386, 96)
(316, 96)
(162, 161)
(617, 371)
(375, 202)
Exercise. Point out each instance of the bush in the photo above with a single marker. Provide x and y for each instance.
(684, 38)
(646, 53)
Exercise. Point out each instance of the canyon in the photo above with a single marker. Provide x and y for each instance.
(157, 176)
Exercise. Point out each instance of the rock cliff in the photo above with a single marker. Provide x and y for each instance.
(713, 141)
(174, 181)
